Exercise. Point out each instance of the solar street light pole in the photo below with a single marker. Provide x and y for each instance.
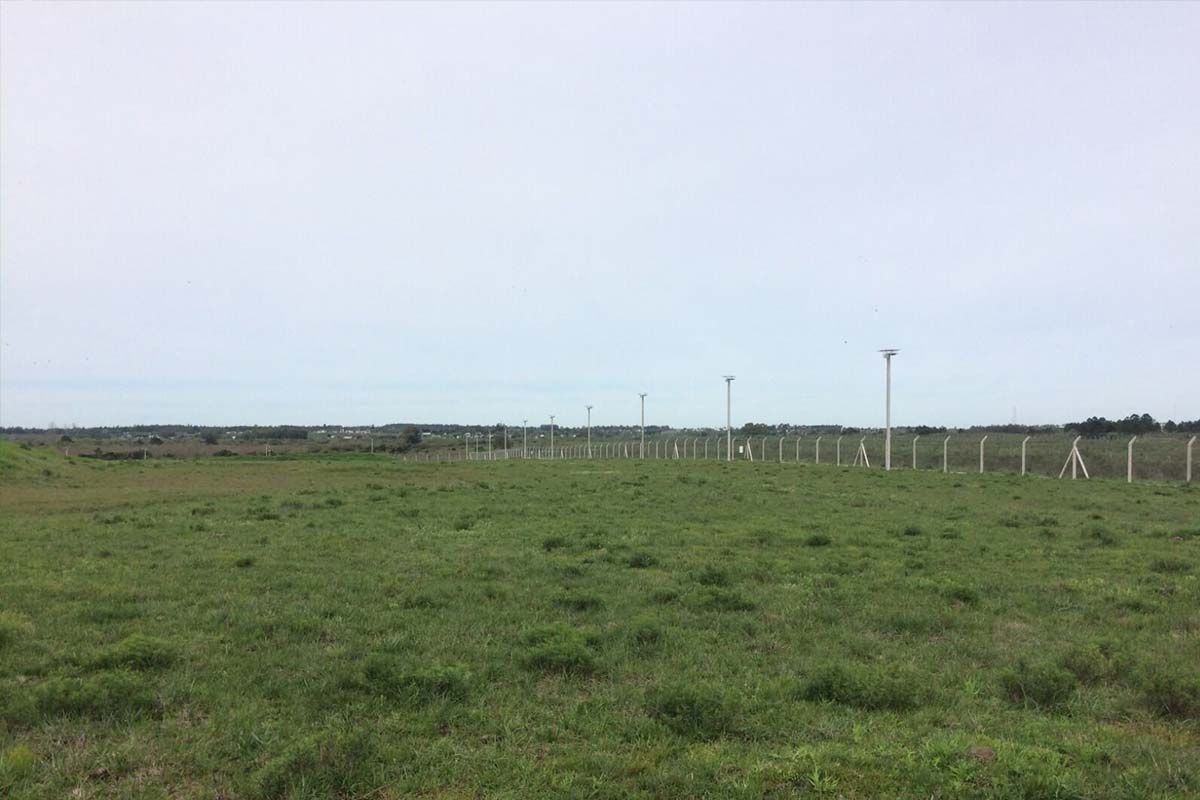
(642, 448)
(728, 418)
(887, 437)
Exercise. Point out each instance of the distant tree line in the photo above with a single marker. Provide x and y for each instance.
(1133, 424)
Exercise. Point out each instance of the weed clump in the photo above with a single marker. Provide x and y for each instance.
(12, 627)
(137, 652)
(641, 560)
(106, 694)
(714, 576)
(244, 562)
(325, 765)
(1170, 566)
(718, 599)
(464, 524)
(698, 712)
(1040, 684)
(387, 676)
(16, 763)
(664, 596)
(862, 687)
(553, 543)
(967, 595)
(1092, 662)
(580, 601)
(559, 648)
(1171, 690)
(1101, 535)
(912, 530)
(646, 632)
(818, 540)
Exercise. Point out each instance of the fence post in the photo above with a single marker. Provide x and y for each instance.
(706, 448)
(1129, 461)
(918, 436)
(1191, 442)
(946, 454)
(839, 451)
(764, 449)
(819, 449)
(797, 449)
(1024, 442)
(981, 441)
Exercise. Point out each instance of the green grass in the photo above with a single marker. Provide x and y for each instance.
(356, 627)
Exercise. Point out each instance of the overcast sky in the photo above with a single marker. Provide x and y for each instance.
(255, 213)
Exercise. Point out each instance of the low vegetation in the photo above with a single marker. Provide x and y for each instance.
(357, 627)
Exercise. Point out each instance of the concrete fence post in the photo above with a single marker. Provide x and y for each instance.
(780, 449)
(818, 460)
(1024, 443)
(764, 448)
(1191, 442)
(981, 441)
(1129, 461)
(918, 436)
(946, 454)
(839, 451)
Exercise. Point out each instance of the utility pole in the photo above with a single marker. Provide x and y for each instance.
(642, 450)
(729, 417)
(589, 408)
(887, 422)
(552, 436)
(525, 438)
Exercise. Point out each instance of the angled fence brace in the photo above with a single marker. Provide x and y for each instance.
(1191, 442)
(1074, 461)
(1129, 461)
(1024, 442)
(946, 454)
(818, 461)
(918, 436)
(677, 447)
(981, 441)
(861, 455)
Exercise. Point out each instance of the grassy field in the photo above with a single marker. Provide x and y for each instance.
(357, 627)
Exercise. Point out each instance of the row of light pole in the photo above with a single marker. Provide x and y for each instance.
(729, 379)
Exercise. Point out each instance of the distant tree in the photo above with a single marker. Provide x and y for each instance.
(155, 440)
(65, 438)
(410, 436)
(757, 429)
(209, 438)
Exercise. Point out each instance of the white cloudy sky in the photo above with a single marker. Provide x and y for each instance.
(307, 213)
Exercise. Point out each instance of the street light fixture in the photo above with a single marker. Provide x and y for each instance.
(642, 449)
(887, 421)
(728, 417)
(589, 408)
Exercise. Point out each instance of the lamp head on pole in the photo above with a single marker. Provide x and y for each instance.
(728, 378)
(889, 352)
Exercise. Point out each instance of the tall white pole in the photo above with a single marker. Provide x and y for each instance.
(729, 417)
(552, 436)
(642, 447)
(589, 453)
(887, 436)
(525, 438)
